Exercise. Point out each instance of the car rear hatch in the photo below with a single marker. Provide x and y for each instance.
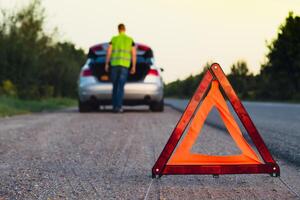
(97, 55)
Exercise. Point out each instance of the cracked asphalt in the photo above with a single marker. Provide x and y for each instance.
(101, 155)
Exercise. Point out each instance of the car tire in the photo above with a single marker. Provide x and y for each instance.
(84, 107)
(157, 106)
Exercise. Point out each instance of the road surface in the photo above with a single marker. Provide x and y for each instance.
(101, 155)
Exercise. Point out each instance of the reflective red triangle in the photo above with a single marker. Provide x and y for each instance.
(183, 162)
(182, 154)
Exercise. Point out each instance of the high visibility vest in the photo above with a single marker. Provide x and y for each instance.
(121, 50)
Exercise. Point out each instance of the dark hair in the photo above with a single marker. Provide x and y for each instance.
(121, 27)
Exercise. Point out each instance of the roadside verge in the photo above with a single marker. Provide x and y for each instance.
(10, 106)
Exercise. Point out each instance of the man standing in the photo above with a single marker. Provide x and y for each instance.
(120, 53)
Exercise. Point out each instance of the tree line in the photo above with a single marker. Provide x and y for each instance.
(32, 63)
(278, 78)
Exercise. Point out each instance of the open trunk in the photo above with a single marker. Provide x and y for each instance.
(144, 62)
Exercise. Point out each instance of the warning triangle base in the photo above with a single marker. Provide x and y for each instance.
(221, 169)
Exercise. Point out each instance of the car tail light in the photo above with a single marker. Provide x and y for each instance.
(153, 72)
(86, 72)
(97, 48)
(142, 47)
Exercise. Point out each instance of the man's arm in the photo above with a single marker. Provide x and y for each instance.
(108, 55)
(133, 55)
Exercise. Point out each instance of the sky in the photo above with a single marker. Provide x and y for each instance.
(184, 35)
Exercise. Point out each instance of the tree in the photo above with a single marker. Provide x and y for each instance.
(242, 80)
(240, 69)
(281, 73)
(32, 60)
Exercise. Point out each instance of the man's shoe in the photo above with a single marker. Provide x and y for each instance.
(120, 110)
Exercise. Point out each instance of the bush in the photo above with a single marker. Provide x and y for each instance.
(8, 88)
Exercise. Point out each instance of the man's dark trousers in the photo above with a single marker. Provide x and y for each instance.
(119, 77)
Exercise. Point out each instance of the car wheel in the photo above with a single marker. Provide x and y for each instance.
(84, 107)
(157, 106)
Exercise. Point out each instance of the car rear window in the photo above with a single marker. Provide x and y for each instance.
(144, 61)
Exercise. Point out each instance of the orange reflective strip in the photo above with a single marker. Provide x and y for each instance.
(183, 156)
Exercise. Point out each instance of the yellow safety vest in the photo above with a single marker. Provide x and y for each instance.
(121, 50)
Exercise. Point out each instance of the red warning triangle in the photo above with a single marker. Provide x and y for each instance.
(180, 160)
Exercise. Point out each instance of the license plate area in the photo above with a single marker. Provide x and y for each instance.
(104, 78)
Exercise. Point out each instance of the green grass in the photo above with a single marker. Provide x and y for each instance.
(12, 106)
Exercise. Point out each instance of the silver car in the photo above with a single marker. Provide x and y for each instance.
(145, 87)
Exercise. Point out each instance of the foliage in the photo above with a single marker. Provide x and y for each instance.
(280, 75)
(8, 88)
(32, 60)
(242, 80)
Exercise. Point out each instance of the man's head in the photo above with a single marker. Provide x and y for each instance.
(121, 28)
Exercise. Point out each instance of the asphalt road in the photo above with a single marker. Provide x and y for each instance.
(278, 124)
(101, 155)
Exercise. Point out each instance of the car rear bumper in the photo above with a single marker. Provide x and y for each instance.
(135, 93)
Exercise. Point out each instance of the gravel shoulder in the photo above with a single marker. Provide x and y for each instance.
(101, 155)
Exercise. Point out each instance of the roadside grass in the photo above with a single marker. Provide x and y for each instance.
(12, 106)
